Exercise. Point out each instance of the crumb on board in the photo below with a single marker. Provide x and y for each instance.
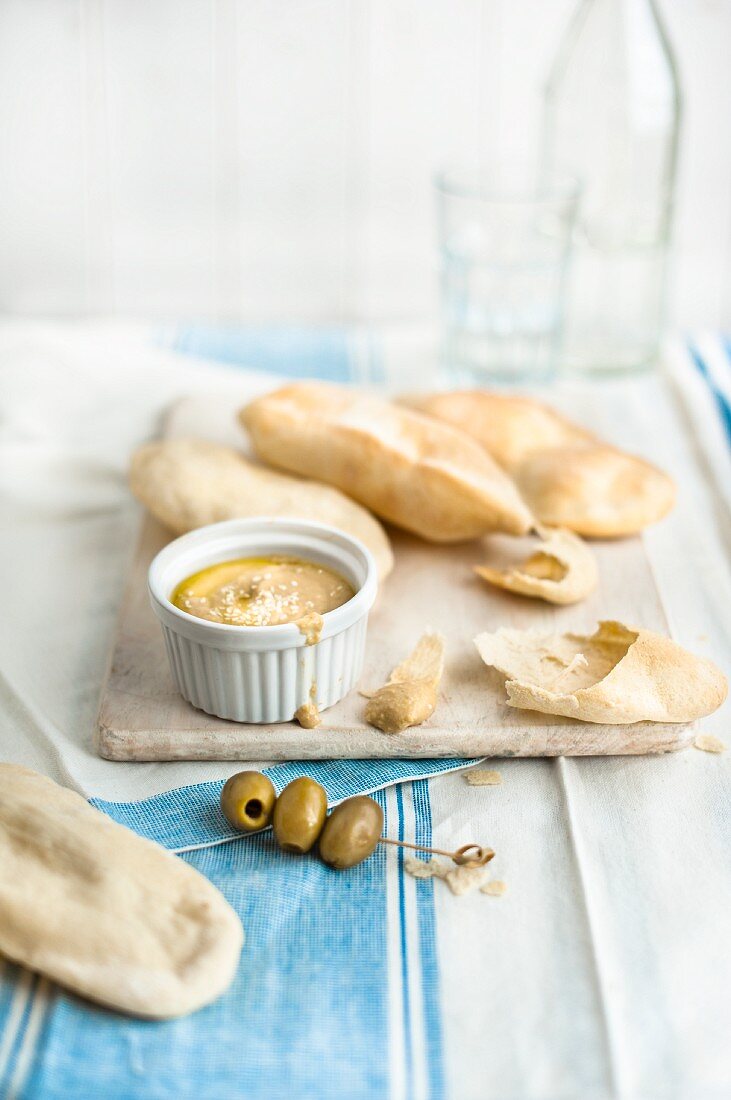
(483, 777)
(494, 889)
(706, 742)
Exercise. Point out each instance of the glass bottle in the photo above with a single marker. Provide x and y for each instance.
(612, 114)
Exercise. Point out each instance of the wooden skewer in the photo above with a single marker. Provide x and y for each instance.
(461, 857)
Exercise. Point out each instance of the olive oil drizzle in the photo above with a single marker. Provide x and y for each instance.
(263, 592)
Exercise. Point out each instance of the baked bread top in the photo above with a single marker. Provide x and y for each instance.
(420, 474)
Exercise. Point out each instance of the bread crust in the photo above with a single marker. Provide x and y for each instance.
(596, 490)
(561, 569)
(567, 476)
(188, 483)
(426, 477)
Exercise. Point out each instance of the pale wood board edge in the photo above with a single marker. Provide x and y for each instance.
(121, 744)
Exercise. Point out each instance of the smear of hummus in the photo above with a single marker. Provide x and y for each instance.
(308, 715)
(311, 626)
(410, 695)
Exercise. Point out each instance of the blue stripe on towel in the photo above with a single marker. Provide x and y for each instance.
(403, 944)
(428, 949)
(722, 403)
(17, 987)
(332, 354)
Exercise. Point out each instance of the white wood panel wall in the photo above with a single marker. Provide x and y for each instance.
(271, 159)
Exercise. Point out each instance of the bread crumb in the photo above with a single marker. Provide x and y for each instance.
(422, 868)
(706, 742)
(482, 777)
(495, 888)
(461, 880)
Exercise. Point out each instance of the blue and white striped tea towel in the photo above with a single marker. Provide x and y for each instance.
(338, 973)
(337, 992)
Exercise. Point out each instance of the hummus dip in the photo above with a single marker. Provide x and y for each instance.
(262, 591)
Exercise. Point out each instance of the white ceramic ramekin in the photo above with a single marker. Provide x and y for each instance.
(263, 673)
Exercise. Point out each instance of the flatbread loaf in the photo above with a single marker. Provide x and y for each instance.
(421, 475)
(618, 675)
(596, 490)
(104, 912)
(187, 483)
(567, 476)
(561, 570)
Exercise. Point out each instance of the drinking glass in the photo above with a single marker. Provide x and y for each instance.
(504, 242)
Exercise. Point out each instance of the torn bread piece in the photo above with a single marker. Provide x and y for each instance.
(483, 777)
(410, 695)
(617, 675)
(188, 483)
(562, 570)
(566, 475)
(420, 474)
(596, 490)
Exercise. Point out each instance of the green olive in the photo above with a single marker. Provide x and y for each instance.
(351, 832)
(299, 815)
(247, 801)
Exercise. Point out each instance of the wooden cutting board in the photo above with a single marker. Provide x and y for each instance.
(143, 718)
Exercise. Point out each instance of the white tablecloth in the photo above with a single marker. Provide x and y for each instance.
(606, 968)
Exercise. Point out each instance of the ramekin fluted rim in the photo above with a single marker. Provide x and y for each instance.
(206, 545)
